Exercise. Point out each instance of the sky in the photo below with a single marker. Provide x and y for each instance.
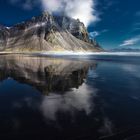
(113, 23)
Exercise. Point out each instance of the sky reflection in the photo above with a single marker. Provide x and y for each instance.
(80, 99)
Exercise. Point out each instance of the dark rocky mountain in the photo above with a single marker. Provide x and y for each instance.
(4, 34)
(47, 33)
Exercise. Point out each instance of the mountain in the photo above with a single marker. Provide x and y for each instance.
(125, 50)
(47, 33)
(4, 33)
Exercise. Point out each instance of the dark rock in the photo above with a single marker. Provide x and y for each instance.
(4, 34)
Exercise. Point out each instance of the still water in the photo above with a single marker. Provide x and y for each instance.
(90, 98)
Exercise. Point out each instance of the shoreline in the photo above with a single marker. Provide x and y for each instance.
(71, 53)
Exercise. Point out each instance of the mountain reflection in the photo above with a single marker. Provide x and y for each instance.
(63, 81)
(45, 74)
(68, 98)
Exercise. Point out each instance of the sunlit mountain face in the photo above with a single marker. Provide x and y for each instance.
(47, 33)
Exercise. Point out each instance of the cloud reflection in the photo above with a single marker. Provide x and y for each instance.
(80, 99)
(132, 69)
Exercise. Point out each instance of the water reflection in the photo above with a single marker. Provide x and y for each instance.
(64, 96)
(68, 99)
(63, 80)
(45, 74)
(80, 99)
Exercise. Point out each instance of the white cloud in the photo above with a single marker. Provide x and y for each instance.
(78, 9)
(94, 34)
(97, 33)
(131, 41)
(84, 10)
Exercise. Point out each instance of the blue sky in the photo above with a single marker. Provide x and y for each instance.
(115, 24)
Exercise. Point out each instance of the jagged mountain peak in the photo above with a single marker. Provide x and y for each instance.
(47, 32)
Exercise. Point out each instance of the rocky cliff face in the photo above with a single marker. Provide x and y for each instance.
(4, 33)
(75, 27)
(47, 33)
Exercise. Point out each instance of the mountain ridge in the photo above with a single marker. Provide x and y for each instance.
(47, 33)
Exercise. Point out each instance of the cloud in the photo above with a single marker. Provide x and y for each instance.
(97, 33)
(78, 9)
(94, 34)
(132, 69)
(131, 41)
(84, 10)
